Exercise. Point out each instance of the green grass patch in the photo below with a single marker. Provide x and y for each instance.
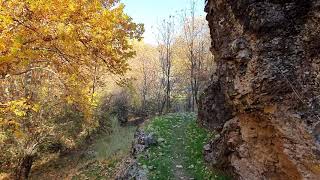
(96, 159)
(108, 150)
(159, 160)
(196, 138)
(118, 143)
(183, 144)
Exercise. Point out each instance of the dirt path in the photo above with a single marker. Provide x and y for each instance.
(180, 171)
(179, 153)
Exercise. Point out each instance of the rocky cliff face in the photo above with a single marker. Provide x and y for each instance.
(264, 101)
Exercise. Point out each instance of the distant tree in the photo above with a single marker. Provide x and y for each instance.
(166, 36)
(195, 36)
(146, 71)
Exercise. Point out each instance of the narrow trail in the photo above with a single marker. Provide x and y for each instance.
(179, 154)
(180, 171)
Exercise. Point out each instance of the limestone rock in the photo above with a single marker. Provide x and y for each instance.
(133, 171)
(142, 141)
(264, 98)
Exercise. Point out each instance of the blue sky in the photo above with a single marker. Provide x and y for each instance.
(150, 12)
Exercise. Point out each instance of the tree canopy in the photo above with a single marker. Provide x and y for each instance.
(51, 52)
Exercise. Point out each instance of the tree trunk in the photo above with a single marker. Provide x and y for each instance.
(24, 168)
(168, 88)
(145, 90)
(168, 95)
(192, 82)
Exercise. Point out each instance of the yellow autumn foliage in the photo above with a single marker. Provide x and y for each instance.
(51, 53)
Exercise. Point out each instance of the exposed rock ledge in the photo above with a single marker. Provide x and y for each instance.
(264, 100)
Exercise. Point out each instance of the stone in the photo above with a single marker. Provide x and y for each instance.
(149, 140)
(142, 141)
(160, 140)
(262, 100)
(133, 171)
(207, 147)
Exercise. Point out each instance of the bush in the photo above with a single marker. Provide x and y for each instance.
(121, 107)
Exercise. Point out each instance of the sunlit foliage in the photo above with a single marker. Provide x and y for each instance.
(51, 53)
